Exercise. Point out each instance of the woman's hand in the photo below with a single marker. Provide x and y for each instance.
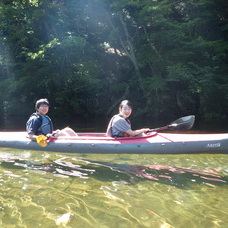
(145, 130)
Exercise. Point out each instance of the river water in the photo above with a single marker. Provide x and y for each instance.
(47, 189)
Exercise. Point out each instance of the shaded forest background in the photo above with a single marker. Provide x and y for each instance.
(169, 57)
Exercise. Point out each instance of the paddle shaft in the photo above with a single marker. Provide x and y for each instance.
(159, 129)
(183, 123)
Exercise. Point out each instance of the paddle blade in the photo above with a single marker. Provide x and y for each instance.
(183, 123)
(42, 140)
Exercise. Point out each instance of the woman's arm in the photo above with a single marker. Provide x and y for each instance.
(137, 132)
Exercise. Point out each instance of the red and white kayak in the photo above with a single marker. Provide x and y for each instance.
(154, 143)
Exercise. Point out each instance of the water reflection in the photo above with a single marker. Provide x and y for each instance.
(179, 177)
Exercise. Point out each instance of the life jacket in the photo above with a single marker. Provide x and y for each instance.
(46, 126)
(121, 134)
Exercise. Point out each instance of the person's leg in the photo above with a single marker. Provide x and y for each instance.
(67, 132)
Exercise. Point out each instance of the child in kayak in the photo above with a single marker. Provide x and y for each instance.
(40, 124)
(120, 126)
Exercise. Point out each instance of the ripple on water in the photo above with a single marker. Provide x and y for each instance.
(112, 190)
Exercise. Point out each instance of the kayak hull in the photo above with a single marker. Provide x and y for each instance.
(98, 143)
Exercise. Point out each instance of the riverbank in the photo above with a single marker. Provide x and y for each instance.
(99, 124)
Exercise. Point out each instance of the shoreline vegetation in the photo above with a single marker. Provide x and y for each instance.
(169, 58)
(100, 125)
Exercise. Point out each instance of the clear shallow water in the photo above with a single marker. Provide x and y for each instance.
(46, 189)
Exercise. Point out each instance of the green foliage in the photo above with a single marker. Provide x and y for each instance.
(83, 55)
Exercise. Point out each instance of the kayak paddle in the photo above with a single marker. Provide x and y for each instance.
(183, 123)
(42, 140)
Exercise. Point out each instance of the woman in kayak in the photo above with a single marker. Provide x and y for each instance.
(120, 126)
(40, 124)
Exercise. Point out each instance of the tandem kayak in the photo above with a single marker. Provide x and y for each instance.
(153, 143)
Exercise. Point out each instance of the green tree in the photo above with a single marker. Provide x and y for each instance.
(168, 57)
